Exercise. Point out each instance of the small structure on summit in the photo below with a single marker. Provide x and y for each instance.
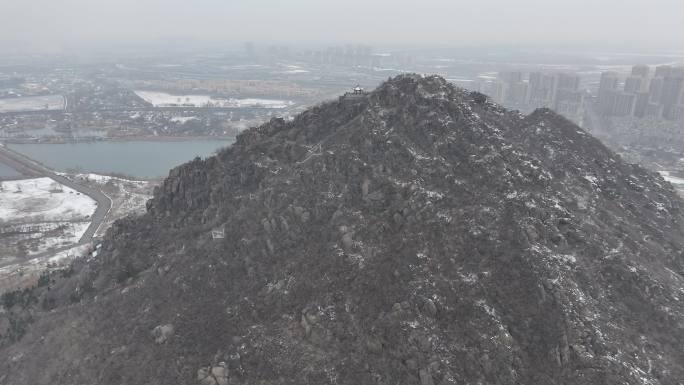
(357, 93)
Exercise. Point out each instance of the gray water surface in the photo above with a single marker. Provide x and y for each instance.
(140, 159)
(7, 172)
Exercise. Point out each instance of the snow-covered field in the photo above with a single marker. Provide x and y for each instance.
(26, 239)
(32, 103)
(162, 99)
(43, 199)
(39, 215)
(39, 237)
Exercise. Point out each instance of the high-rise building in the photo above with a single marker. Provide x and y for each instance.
(641, 104)
(570, 103)
(517, 92)
(540, 90)
(663, 71)
(497, 90)
(673, 87)
(634, 84)
(569, 82)
(678, 112)
(607, 92)
(566, 96)
(640, 70)
(677, 72)
(511, 77)
(617, 103)
(655, 89)
(606, 101)
(672, 90)
(624, 104)
(654, 110)
(609, 82)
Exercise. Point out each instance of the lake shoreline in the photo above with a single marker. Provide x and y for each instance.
(133, 138)
(136, 159)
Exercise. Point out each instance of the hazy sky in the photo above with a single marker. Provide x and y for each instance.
(51, 24)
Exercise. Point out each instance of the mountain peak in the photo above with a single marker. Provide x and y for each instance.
(418, 84)
(417, 234)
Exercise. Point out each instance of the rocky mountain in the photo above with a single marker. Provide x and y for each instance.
(417, 234)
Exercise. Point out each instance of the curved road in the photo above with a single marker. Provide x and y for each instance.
(29, 167)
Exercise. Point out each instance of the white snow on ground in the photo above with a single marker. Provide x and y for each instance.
(294, 69)
(677, 182)
(39, 215)
(73, 233)
(41, 237)
(591, 179)
(182, 119)
(42, 199)
(102, 179)
(265, 103)
(32, 103)
(162, 99)
(245, 67)
(66, 256)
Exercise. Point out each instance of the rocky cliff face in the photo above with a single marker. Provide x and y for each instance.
(416, 235)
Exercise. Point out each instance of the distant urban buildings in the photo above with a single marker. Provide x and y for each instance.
(642, 93)
(639, 95)
(358, 56)
(558, 91)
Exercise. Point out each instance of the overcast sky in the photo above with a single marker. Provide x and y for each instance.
(51, 24)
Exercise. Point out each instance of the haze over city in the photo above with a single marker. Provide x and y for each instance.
(49, 26)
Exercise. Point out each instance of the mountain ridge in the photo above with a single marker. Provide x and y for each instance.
(417, 235)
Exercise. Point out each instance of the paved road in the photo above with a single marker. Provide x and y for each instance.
(31, 168)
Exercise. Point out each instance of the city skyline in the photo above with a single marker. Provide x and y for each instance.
(655, 92)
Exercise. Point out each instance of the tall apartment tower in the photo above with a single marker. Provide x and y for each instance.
(541, 90)
(608, 92)
(641, 104)
(634, 84)
(677, 72)
(640, 71)
(609, 82)
(567, 97)
(569, 82)
(623, 104)
(655, 89)
(663, 71)
(673, 88)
